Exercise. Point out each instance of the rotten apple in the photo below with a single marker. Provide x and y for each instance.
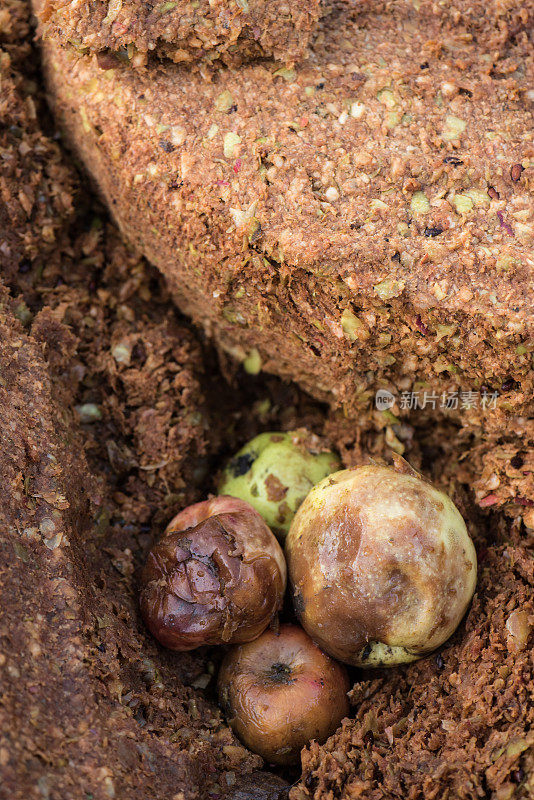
(381, 565)
(217, 576)
(280, 691)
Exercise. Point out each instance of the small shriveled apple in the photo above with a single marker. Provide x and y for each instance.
(381, 565)
(216, 576)
(280, 692)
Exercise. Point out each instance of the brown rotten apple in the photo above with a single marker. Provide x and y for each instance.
(281, 691)
(216, 576)
(381, 565)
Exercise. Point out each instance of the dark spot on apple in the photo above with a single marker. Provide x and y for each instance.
(366, 652)
(241, 464)
(298, 603)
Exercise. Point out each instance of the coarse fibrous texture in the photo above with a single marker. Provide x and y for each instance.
(362, 221)
(216, 576)
(90, 706)
(459, 724)
(80, 686)
(181, 30)
(85, 294)
(491, 454)
(35, 186)
(381, 565)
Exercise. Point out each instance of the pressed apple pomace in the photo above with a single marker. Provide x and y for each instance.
(381, 565)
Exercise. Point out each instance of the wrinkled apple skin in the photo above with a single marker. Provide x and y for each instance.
(280, 692)
(274, 472)
(381, 565)
(216, 576)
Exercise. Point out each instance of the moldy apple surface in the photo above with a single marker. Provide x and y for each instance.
(275, 471)
(216, 576)
(381, 565)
